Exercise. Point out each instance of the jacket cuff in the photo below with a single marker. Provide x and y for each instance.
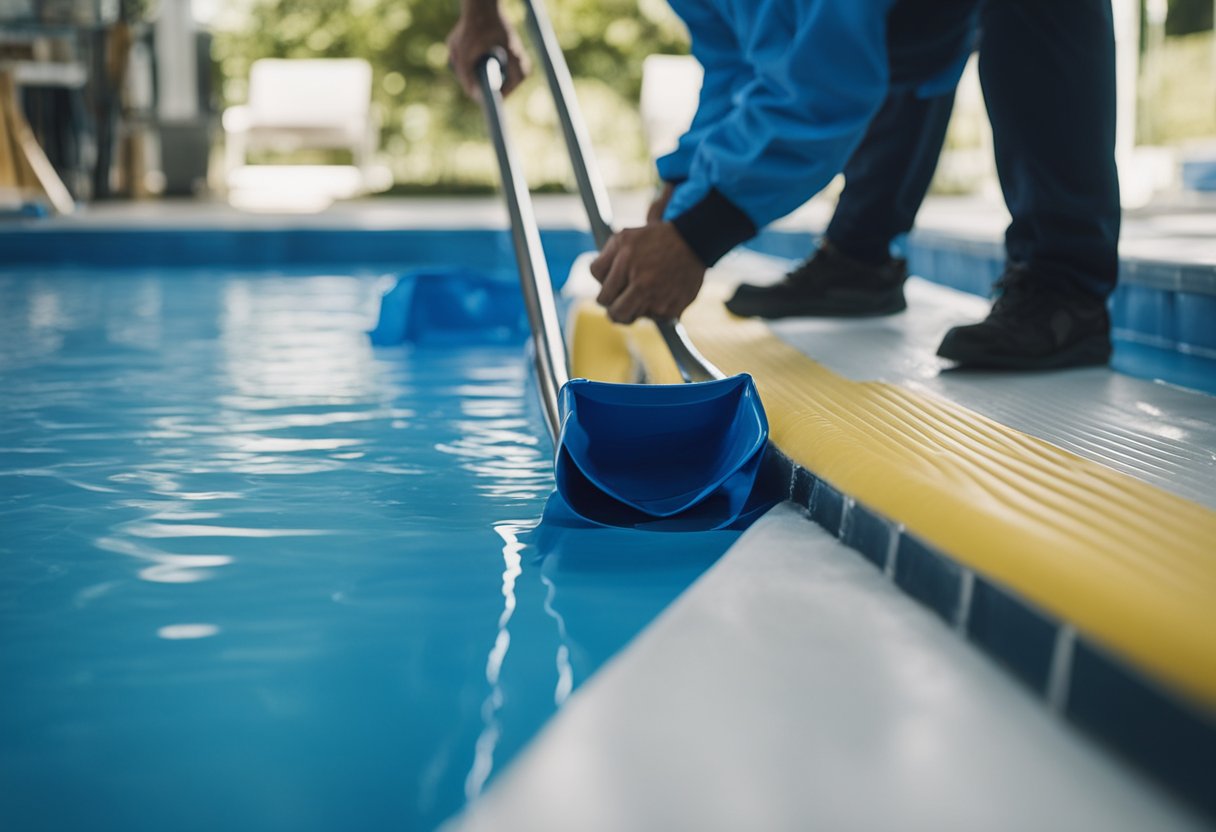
(714, 226)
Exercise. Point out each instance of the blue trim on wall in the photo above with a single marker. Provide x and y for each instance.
(1199, 174)
(392, 249)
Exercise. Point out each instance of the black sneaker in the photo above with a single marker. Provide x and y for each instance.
(1035, 324)
(827, 284)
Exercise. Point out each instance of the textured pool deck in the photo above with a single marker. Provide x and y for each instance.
(1158, 433)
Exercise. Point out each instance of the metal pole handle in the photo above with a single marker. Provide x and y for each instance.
(692, 365)
(552, 368)
(561, 85)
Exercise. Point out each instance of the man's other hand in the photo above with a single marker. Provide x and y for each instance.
(647, 272)
(480, 30)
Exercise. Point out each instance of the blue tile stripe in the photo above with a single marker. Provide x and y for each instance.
(254, 248)
(1199, 174)
(1109, 700)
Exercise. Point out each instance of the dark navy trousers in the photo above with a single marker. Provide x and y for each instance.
(1047, 68)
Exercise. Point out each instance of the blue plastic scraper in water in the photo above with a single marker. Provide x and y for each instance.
(670, 455)
(680, 457)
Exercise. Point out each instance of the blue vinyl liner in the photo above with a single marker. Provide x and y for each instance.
(257, 575)
(36, 244)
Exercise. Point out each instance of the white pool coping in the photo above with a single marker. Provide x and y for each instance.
(793, 687)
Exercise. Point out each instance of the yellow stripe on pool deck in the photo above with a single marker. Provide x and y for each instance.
(1129, 565)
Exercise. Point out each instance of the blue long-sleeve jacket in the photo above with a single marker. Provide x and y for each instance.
(790, 87)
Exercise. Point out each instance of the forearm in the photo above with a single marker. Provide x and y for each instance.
(481, 30)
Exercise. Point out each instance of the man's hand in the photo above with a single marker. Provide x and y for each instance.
(647, 272)
(659, 204)
(480, 30)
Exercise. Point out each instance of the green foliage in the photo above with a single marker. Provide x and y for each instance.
(433, 135)
(137, 11)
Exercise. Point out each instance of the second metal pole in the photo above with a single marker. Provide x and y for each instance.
(552, 369)
(692, 365)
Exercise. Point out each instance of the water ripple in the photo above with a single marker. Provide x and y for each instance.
(233, 531)
(163, 530)
(166, 567)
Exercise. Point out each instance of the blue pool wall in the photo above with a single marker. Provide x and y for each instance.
(260, 248)
(1163, 314)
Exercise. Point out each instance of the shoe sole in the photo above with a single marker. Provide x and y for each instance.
(1089, 352)
(818, 311)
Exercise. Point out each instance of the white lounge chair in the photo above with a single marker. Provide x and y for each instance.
(670, 87)
(295, 105)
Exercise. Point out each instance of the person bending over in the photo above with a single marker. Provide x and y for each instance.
(793, 88)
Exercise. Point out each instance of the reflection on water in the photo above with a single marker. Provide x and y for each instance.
(254, 573)
(483, 760)
(176, 631)
(565, 671)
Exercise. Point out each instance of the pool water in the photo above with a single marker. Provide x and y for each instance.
(255, 574)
